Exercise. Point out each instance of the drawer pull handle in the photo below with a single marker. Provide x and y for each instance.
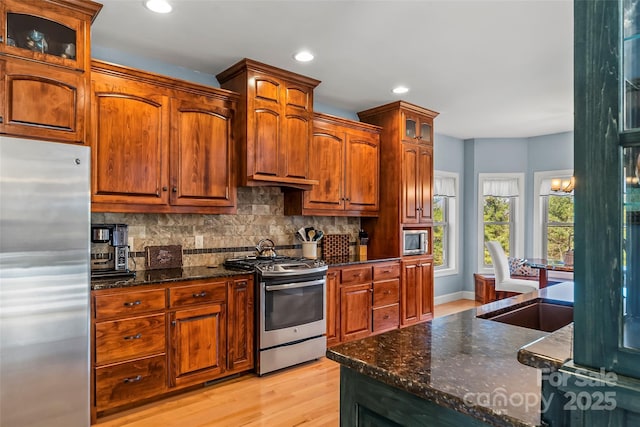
(386, 316)
(387, 292)
(133, 337)
(386, 271)
(131, 304)
(200, 295)
(132, 380)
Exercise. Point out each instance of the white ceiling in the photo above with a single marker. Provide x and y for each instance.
(490, 68)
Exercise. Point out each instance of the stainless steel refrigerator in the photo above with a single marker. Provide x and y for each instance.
(44, 284)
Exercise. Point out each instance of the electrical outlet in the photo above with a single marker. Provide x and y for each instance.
(199, 242)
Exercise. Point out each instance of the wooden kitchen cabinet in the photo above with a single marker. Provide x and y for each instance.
(240, 328)
(406, 180)
(417, 290)
(128, 347)
(366, 300)
(333, 306)
(44, 69)
(346, 163)
(274, 124)
(151, 340)
(197, 344)
(355, 311)
(417, 174)
(159, 144)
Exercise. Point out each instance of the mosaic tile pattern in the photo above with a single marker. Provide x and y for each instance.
(335, 245)
(210, 239)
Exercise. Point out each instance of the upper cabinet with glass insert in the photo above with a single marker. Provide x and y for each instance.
(417, 128)
(48, 31)
(45, 68)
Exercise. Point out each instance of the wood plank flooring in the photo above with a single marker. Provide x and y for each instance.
(307, 395)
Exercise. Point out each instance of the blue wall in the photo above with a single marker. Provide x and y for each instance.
(468, 158)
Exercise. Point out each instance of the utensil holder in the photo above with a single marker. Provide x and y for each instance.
(310, 250)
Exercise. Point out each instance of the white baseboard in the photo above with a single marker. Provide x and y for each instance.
(442, 299)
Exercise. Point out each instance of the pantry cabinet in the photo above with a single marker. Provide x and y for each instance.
(346, 164)
(150, 340)
(160, 145)
(44, 69)
(274, 124)
(406, 180)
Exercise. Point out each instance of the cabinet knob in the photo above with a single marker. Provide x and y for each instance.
(200, 295)
(386, 316)
(174, 189)
(348, 199)
(165, 188)
(387, 292)
(1, 119)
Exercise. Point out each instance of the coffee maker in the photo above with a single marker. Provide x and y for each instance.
(115, 236)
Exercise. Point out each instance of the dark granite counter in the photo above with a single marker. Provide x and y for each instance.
(353, 259)
(549, 353)
(460, 362)
(148, 277)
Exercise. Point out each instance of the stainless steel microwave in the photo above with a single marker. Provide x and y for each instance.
(415, 241)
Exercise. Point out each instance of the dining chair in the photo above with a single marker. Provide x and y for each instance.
(504, 282)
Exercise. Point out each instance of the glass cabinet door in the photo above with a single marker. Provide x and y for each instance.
(410, 123)
(43, 34)
(425, 132)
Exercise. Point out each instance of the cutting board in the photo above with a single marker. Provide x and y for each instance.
(157, 257)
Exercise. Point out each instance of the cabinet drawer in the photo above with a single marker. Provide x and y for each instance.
(386, 292)
(129, 382)
(356, 275)
(197, 294)
(128, 303)
(120, 340)
(386, 318)
(386, 271)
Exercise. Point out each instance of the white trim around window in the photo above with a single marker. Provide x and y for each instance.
(453, 220)
(538, 178)
(518, 217)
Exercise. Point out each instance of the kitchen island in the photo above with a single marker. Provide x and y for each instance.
(454, 370)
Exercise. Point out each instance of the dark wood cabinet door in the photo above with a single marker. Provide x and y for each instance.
(425, 185)
(410, 292)
(240, 330)
(41, 101)
(410, 183)
(201, 153)
(198, 344)
(333, 313)
(129, 142)
(426, 289)
(296, 132)
(327, 146)
(362, 171)
(355, 311)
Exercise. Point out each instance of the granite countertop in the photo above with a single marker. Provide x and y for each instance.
(460, 361)
(549, 353)
(148, 277)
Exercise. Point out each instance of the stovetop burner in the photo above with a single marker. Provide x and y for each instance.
(277, 266)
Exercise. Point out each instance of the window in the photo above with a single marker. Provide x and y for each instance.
(500, 214)
(553, 220)
(444, 222)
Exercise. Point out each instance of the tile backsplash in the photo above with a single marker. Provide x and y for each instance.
(209, 239)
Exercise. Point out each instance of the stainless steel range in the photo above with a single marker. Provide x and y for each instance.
(291, 309)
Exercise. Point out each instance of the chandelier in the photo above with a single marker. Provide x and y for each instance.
(563, 184)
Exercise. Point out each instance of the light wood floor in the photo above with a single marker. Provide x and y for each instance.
(307, 395)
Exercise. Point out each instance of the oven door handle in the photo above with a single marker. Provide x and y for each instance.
(269, 288)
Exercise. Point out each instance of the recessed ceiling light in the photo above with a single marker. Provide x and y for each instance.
(158, 6)
(303, 56)
(400, 90)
